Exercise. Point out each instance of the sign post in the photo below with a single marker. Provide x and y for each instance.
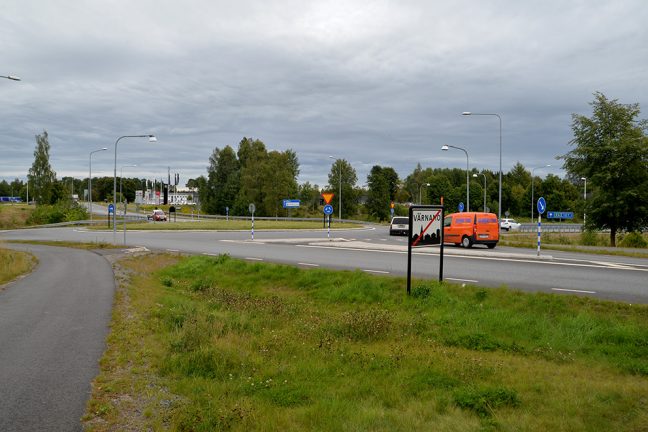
(226, 214)
(542, 206)
(252, 209)
(425, 229)
(328, 211)
(111, 210)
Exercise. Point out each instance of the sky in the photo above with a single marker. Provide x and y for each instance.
(373, 82)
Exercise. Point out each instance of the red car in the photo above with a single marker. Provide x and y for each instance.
(157, 215)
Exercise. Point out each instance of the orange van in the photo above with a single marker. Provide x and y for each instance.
(469, 228)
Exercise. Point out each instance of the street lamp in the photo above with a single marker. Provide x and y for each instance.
(446, 148)
(482, 174)
(10, 77)
(90, 179)
(499, 203)
(420, 190)
(532, 180)
(121, 177)
(340, 197)
(585, 200)
(151, 138)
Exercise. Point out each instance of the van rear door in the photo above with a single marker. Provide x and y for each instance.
(486, 228)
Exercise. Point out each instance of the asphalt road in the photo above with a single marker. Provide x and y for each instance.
(374, 251)
(53, 325)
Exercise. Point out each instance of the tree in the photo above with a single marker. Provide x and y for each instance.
(41, 175)
(252, 155)
(343, 173)
(383, 185)
(611, 151)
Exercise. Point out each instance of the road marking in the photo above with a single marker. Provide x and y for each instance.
(573, 290)
(243, 241)
(173, 250)
(309, 264)
(375, 271)
(462, 280)
(210, 254)
(254, 259)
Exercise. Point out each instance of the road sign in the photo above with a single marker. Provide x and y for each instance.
(328, 196)
(252, 208)
(560, 215)
(328, 209)
(542, 205)
(425, 228)
(111, 209)
(461, 206)
(291, 203)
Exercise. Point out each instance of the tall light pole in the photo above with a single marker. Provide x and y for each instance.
(90, 179)
(421, 190)
(446, 148)
(584, 200)
(151, 139)
(532, 181)
(10, 77)
(340, 196)
(484, 175)
(499, 200)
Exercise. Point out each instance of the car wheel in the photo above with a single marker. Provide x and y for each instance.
(491, 245)
(466, 242)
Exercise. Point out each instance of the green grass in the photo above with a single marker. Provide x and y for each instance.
(223, 225)
(70, 244)
(206, 343)
(14, 264)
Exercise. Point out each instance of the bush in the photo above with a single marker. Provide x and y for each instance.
(589, 238)
(63, 211)
(633, 240)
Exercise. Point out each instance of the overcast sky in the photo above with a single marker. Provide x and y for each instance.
(373, 82)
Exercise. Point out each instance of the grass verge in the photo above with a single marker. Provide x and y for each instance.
(232, 225)
(14, 215)
(76, 245)
(213, 343)
(14, 264)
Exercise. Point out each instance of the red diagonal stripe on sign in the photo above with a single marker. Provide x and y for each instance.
(426, 228)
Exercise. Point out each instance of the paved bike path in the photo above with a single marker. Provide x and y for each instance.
(53, 326)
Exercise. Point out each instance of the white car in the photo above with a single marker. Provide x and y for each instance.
(399, 225)
(509, 224)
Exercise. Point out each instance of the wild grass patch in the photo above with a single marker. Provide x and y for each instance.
(249, 346)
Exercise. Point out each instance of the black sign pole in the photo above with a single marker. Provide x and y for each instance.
(441, 252)
(409, 254)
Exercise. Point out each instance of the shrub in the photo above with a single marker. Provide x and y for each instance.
(589, 238)
(633, 240)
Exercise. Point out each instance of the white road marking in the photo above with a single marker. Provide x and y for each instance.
(243, 241)
(210, 254)
(375, 271)
(573, 290)
(254, 259)
(309, 264)
(462, 280)
(173, 250)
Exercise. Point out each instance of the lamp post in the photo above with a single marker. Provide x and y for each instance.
(10, 77)
(532, 181)
(584, 199)
(484, 175)
(340, 196)
(90, 179)
(499, 200)
(446, 148)
(151, 139)
(420, 190)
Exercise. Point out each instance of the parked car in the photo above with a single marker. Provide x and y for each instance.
(157, 215)
(399, 225)
(469, 228)
(509, 224)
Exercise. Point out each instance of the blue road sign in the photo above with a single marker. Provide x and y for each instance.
(560, 215)
(111, 209)
(328, 209)
(461, 206)
(542, 205)
(291, 203)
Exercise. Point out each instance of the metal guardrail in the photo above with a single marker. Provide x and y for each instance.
(551, 227)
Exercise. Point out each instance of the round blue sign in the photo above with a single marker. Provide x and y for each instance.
(111, 208)
(328, 209)
(461, 206)
(542, 205)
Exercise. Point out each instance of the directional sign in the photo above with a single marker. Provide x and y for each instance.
(111, 209)
(461, 206)
(542, 205)
(560, 215)
(328, 196)
(291, 203)
(328, 209)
